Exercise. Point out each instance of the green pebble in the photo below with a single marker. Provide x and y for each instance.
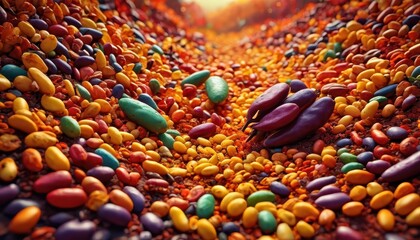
(351, 166)
(217, 89)
(348, 158)
(337, 47)
(342, 150)
(260, 196)
(143, 115)
(380, 99)
(329, 54)
(416, 72)
(197, 78)
(205, 206)
(167, 140)
(137, 67)
(173, 132)
(157, 49)
(108, 159)
(70, 127)
(11, 71)
(267, 222)
(154, 86)
(83, 92)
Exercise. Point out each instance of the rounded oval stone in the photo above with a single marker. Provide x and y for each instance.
(52, 181)
(152, 223)
(114, 214)
(76, 230)
(67, 197)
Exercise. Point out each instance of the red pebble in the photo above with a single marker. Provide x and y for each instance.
(409, 145)
(379, 137)
(67, 197)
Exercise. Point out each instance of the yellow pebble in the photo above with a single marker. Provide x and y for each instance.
(105, 106)
(366, 74)
(91, 111)
(369, 110)
(413, 219)
(236, 207)
(176, 171)
(114, 136)
(352, 209)
(8, 169)
(373, 188)
(206, 230)
(179, 219)
(100, 60)
(34, 60)
(86, 22)
(210, 170)
(56, 160)
(358, 193)
(5, 83)
(286, 217)
(219, 191)
(266, 206)
(121, 199)
(407, 204)
(304, 229)
(386, 219)
(352, 111)
(42, 139)
(53, 104)
(304, 210)
(388, 110)
(204, 142)
(123, 79)
(345, 120)
(22, 123)
(403, 189)
(250, 217)
(44, 82)
(218, 138)
(152, 166)
(284, 232)
(381, 199)
(180, 147)
(49, 43)
(379, 80)
(26, 28)
(25, 220)
(229, 198)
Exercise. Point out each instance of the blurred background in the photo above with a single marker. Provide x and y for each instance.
(229, 15)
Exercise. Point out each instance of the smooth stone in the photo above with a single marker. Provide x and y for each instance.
(197, 78)
(76, 230)
(260, 196)
(108, 159)
(351, 166)
(137, 197)
(365, 157)
(217, 89)
(386, 91)
(279, 189)
(11, 71)
(347, 233)
(147, 99)
(378, 166)
(17, 205)
(60, 218)
(230, 228)
(67, 197)
(320, 182)
(348, 158)
(267, 222)
(404, 169)
(8, 193)
(333, 201)
(397, 133)
(344, 142)
(70, 127)
(151, 222)
(329, 189)
(205, 206)
(102, 173)
(114, 214)
(52, 181)
(368, 143)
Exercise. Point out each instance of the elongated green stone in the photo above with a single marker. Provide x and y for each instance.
(167, 140)
(217, 89)
(70, 127)
(351, 166)
(205, 206)
(197, 78)
(348, 157)
(83, 92)
(260, 196)
(143, 114)
(380, 99)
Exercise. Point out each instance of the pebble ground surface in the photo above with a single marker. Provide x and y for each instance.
(118, 123)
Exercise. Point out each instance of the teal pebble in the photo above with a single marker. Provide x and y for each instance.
(260, 196)
(145, 98)
(83, 92)
(205, 206)
(267, 222)
(11, 71)
(157, 49)
(351, 166)
(348, 158)
(70, 127)
(416, 72)
(154, 86)
(137, 67)
(167, 140)
(337, 47)
(217, 89)
(329, 54)
(108, 159)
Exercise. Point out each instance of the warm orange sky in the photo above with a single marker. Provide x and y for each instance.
(211, 5)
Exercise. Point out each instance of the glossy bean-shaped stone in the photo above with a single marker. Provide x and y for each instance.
(70, 127)
(267, 222)
(237, 207)
(25, 220)
(413, 219)
(114, 214)
(197, 78)
(407, 204)
(260, 196)
(122, 199)
(75, 230)
(205, 206)
(304, 210)
(67, 197)
(44, 82)
(217, 89)
(359, 177)
(52, 181)
(56, 159)
(386, 219)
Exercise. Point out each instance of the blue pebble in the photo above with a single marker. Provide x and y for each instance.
(344, 142)
(279, 189)
(114, 64)
(386, 91)
(95, 81)
(118, 90)
(230, 228)
(145, 98)
(365, 157)
(397, 133)
(369, 143)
